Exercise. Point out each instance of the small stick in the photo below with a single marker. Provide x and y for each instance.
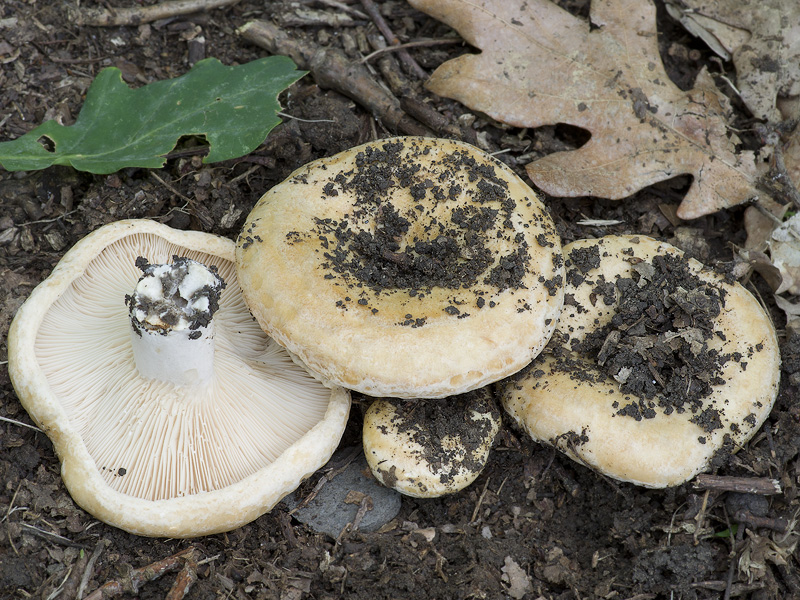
(412, 44)
(477, 509)
(332, 69)
(87, 573)
(138, 577)
(105, 17)
(50, 536)
(392, 39)
(701, 516)
(425, 113)
(185, 579)
(20, 423)
(8, 513)
(365, 506)
(779, 524)
(746, 485)
(389, 68)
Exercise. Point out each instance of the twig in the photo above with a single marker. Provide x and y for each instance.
(477, 508)
(388, 66)
(283, 114)
(53, 220)
(735, 541)
(8, 513)
(392, 39)
(87, 573)
(747, 485)
(425, 113)
(104, 17)
(365, 506)
(332, 69)
(185, 560)
(599, 222)
(20, 423)
(414, 44)
(700, 517)
(779, 524)
(185, 579)
(170, 187)
(344, 7)
(51, 537)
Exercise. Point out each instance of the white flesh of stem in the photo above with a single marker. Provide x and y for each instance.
(172, 330)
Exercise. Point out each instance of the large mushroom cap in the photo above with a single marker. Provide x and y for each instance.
(407, 267)
(148, 456)
(656, 365)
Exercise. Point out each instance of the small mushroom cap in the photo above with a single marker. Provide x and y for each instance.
(408, 267)
(566, 399)
(429, 448)
(147, 456)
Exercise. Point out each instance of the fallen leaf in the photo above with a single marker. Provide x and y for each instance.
(754, 260)
(518, 581)
(791, 157)
(233, 107)
(792, 312)
(540, 65)
(784, 249)
(768, 63)
(721, 38)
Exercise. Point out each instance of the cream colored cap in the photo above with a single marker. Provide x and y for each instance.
(568, 399)
(407, 267)
(150, 457)
(429, 448)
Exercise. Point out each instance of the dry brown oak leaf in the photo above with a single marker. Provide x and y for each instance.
(540, 65)
(767, 61)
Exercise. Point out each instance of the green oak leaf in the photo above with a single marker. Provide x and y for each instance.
(233, 107)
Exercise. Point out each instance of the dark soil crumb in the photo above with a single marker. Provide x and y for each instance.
(656, 345)
(584, 259)
(451, 253)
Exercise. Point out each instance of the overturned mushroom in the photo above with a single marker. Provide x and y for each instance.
(407, 267)
(657, 364)
(433, 447)
(176, 415)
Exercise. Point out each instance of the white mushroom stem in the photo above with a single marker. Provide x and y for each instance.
(172, 328)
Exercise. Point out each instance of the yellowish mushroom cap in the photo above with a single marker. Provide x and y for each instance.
(407, 267)
(600, 392)
(429, 448)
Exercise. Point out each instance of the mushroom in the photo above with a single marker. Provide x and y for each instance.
(430, 448)
(173, 421)
(408, 267)
(658, 364)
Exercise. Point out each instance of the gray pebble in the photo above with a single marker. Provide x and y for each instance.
(328, 512)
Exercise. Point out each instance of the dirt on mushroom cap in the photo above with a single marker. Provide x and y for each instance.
(404, 247)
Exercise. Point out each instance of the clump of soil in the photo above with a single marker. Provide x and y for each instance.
(656, 345)
(453, 255)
